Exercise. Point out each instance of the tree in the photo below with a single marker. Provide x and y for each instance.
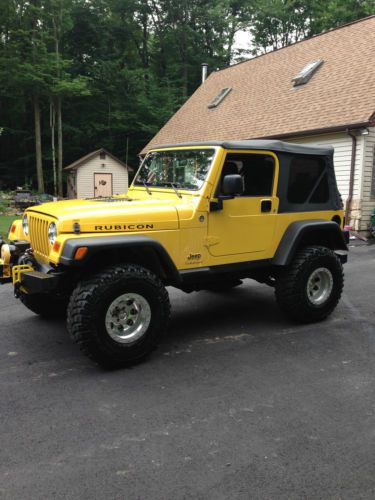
(76, 75)
(278, 23)
(24, 51)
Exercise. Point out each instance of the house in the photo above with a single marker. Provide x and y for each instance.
(317, 91)
(98, 174)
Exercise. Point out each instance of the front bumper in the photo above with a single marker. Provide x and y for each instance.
(31, 277)
(36, 282)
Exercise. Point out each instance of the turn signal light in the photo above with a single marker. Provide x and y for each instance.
(13, 228)
(56, 246)
(80, 253)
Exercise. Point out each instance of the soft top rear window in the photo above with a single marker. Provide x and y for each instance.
(308, 181)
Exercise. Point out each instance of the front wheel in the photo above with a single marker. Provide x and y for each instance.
(310, 288)
(118, 315)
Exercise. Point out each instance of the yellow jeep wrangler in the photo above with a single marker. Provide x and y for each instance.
(198, 216)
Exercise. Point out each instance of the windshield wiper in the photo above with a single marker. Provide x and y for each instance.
(147, 188)
(174, 188)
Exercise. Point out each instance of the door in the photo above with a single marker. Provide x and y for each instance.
(103, 185)
(246, 223)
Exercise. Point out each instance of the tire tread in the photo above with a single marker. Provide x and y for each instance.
(78, 318)
(288, 294)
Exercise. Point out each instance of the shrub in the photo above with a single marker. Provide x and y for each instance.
(4, 206)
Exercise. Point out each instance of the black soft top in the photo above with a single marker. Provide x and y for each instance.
(269, 145)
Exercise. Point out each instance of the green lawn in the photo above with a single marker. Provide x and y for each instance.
(5, 222)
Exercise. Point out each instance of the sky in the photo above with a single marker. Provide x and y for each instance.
(242, 40)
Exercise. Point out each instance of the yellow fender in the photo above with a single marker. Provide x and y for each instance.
(16, 231)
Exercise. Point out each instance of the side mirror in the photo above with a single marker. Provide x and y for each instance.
(233, 185)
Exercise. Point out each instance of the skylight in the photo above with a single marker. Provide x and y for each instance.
(219, 98)
(307, 72)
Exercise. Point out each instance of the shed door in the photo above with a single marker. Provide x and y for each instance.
(103, 185)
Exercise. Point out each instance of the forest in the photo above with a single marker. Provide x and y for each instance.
(77, 75)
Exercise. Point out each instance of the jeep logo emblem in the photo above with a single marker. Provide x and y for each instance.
(194, 256)
(124, 227)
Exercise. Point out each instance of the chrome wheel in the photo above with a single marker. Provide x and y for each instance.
(128, 318)
(319, 286)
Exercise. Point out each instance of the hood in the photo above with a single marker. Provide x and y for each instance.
(114, 214)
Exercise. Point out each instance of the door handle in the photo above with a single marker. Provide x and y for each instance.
(266, 206)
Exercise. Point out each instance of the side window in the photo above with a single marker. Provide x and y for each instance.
(308, 181)
(257, 171)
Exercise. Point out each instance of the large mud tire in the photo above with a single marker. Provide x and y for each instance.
(99, 304)
(309, 289)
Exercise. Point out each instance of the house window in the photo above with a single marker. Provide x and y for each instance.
(257, 171)
(308, 181)
(102, 155)
(219, 98)
(307, 72)
(372, 192)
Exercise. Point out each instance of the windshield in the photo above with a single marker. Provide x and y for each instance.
(183, 169)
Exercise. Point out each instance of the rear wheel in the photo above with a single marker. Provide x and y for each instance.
(310, 288)
(118, 315)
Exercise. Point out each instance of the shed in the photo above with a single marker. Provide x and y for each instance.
(319, 91)
(98, 174)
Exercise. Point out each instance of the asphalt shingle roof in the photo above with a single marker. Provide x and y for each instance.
(264, 103)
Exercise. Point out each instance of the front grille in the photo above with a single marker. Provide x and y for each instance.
(38, 232)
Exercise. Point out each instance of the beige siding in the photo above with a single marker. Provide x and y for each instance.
(85, 176)
(368, 201)
(342, 144)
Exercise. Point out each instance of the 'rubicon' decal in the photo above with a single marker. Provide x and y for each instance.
(124, 227)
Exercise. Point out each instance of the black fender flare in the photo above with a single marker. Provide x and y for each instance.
(99, 244)
(296, 231)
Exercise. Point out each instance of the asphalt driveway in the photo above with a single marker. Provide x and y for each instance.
(237, 403)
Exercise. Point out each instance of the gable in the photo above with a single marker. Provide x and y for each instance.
(96, 155)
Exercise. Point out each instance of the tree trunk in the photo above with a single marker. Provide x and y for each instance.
(59, 149)
(52, 117)
(57, 21)
(38, 145)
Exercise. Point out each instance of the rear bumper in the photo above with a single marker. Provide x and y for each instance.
(346, 236)
(342, 255)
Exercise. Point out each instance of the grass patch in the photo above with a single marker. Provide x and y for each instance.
(5, 222)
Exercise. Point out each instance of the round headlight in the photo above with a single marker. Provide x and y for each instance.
(52, 232)
(25, 224)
